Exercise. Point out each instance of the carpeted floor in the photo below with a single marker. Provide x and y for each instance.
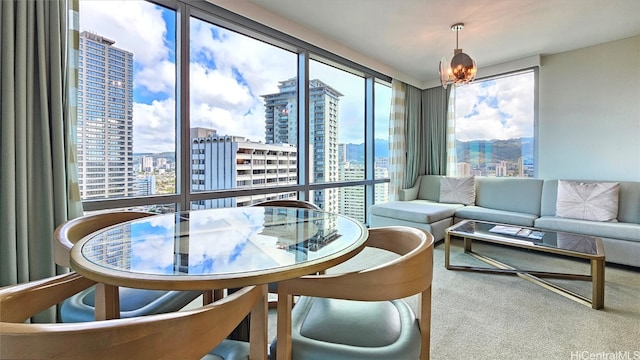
(485, 316)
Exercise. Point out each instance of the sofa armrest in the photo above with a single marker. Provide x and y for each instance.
(410, 193)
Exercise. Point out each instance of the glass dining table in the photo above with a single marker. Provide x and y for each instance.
(214, 249)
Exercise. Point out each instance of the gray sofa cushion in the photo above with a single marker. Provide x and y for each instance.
(623, 231)
(499, 216)
(429, 187)
(509, 194)
(420, 211)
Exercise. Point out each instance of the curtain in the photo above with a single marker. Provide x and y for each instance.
(425, 112)
(452, 158)
(397, 140)
(38, 177)
(434, 105)
(415, 136)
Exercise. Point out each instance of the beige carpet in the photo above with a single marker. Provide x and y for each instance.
(485, 316)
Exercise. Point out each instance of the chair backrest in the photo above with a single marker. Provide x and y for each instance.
(74, 230)
(289, 203)
(184, 334)
(409, 274)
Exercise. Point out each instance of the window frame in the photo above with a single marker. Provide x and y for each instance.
(535, 72)
(184, 196)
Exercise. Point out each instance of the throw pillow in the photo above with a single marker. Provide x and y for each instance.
(587, 201)
(460, 190)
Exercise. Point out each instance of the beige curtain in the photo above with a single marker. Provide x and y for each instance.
(397, 140)
(38, 175)
(452, 158)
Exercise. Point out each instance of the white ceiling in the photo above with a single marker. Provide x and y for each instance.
(411, 36)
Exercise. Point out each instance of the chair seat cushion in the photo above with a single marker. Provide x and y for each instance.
(133, 302)
(341, 322)
(229, 350)
(346, 330)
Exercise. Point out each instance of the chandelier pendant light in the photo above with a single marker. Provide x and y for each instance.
(462, 68)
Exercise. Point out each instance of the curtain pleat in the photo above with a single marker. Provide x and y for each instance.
(415, 136)
(434, 103)
(397, 139)
(37, 128)
(9, 271)
(452, 157)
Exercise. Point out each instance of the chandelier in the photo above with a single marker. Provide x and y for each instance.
(462, 68)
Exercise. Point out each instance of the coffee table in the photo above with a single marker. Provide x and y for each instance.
(566, 244)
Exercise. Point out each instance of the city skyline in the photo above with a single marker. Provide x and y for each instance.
(228, 73)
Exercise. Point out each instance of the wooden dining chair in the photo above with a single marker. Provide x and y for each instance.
(290, 203)
(361, 314)
(187, 334)
(133, 302)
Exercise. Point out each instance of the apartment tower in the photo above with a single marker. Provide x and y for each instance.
(281, 127)
(105, 119)
(232, 162)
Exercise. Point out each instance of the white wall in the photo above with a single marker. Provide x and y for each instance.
(275, 21)
(589, 113)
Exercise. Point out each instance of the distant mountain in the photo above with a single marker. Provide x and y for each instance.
(495, 150)
(355, 152)
(170, 156)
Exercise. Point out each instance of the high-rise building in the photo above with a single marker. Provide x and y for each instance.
(105, 119)
(352, 197)
(463, 169)
(281, 127)
(231, 162)
(146, 185)
(147, 163)
(502, 169)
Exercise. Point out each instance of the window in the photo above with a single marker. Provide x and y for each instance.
(241, 110)
(139, 67)
(494, 127)
(228, 126)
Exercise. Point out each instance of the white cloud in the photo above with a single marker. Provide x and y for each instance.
(135, 26)
(158, 78)
(154, 126)
(215, 89)
(501, 110)
(229, 73)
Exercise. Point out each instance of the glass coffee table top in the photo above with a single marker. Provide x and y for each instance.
(528, 236)
(566, 244)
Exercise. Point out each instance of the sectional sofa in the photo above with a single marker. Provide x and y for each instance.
(527, 202)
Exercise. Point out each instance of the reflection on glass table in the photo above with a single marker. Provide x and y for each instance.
(218, 242)
(214, 249)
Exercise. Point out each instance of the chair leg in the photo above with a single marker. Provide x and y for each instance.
(425, 323)
(258, 331)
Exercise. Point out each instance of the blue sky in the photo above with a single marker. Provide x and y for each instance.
(229, 72)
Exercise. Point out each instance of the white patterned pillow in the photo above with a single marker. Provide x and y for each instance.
(460, 190)
(587, 201)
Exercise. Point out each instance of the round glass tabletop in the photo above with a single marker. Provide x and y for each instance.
(218, 247)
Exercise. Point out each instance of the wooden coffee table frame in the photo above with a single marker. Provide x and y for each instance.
(597, 263)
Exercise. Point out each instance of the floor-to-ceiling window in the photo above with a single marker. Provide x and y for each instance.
(495, 126)
(203, 108)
